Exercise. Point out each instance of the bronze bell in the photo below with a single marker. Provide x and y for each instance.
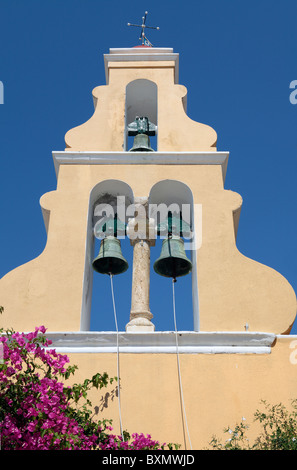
(141, 128)
(141, 144)
(110, 259)
(173, 261)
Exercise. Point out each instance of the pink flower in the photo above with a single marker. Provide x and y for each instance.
(31, 427)
(42, 329)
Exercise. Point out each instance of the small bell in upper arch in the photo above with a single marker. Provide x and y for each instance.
(141, 144)
(141, 128)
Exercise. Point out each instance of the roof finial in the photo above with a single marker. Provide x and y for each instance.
(144, 40)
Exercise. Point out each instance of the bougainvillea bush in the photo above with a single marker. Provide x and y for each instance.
(39, 412)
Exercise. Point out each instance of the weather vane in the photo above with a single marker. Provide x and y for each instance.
(144, 40)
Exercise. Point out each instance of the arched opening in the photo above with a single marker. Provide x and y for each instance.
(166, 195)
(97, 307)
(141, 100)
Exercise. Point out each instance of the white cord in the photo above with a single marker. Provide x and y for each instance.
(118, 362)
(178, 364)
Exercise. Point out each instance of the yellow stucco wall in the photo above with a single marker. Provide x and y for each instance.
(219, 389)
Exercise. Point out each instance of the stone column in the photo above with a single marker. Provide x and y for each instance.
(140, 314)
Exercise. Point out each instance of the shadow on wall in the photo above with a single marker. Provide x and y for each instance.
(105, 400)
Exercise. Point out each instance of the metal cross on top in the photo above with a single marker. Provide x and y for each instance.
(144, 40)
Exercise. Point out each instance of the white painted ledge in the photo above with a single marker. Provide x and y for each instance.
(140, 158)
(162, 342)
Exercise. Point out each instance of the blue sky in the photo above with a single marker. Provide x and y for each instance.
(51, 57)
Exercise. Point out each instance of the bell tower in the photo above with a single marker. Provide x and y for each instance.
(139, 170)
(111, 162)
